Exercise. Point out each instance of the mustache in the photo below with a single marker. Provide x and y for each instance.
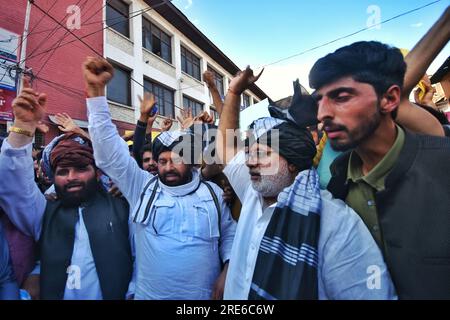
(171, 173)
(73, 184)
(329, 125)
(254, 173)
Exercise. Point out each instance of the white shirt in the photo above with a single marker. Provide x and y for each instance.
(178, 250)
(346, 249)
(82, 280)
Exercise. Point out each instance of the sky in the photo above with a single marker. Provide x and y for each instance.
(261, 32)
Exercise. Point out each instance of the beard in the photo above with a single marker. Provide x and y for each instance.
(75, 198)
(152, 169)
(270, 186)
(181, 179)
(356, 136)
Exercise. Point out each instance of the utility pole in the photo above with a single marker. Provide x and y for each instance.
(23, 48)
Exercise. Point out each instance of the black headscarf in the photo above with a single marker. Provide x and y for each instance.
(295, 143)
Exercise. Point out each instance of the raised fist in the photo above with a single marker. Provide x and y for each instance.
(97, 73)
(29, 106)
(208, 77)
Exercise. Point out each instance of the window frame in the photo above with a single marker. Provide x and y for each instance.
(163, 104)
(189, 56)
(114, 5)
(148, 27)
(196, 103)
(244, 96)
(128, 74)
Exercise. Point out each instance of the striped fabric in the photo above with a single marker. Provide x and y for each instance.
(169, 137)
(287, 262)
(288, 253)
(262, 125)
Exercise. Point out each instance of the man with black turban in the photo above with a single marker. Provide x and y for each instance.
(184, 230)
(84, 240)
(293, 240)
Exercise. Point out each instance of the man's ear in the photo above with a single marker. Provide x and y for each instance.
(98, 174)
(292, 168)
(391, 99)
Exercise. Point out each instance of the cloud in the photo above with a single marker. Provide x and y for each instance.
(188, 5)
(416, 25)
(276, 81)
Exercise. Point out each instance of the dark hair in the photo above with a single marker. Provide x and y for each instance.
(145, 148)
(369, 62)
(186, 142)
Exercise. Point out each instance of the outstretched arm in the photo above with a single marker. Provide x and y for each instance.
(20, 197)
(110, 150)
(146, 119)
(229, 119)
(417, 61)
(208, 77)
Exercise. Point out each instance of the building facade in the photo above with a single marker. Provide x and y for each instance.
(151, 44)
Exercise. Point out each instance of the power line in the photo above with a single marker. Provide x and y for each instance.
(272, 63)
(140, 11)
(74, 90)
(63, 37)
(49, 35)
(97, 31)
(81, 40)
(59, 23)
(34, 27)
(348, 35)
(335, 40)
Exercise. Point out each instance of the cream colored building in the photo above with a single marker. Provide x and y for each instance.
(161, 49)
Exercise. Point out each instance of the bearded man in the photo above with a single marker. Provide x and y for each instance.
(82, 234)
(293, 240)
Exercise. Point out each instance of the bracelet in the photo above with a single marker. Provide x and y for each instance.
(21, 131)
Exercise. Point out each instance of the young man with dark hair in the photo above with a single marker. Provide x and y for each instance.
(397, 181)
(148, 163)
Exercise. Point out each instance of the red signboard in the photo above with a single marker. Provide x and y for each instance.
(6, 98)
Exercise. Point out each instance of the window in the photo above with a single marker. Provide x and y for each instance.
(164, 98)
(195, 106)
(190, 63)
(215, 113)
(218, 79)
(246, 100)
(156, 41)
(117, 16)
(119, 88)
